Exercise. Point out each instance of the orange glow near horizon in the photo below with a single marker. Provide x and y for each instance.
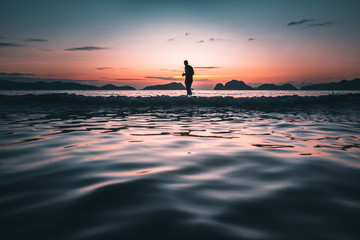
(140, 63)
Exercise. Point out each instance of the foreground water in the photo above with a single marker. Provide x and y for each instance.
(189, 172)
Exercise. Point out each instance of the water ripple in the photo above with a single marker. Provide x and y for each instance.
(179, 175)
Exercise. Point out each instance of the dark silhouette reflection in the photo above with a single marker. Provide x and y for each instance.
(189, 72)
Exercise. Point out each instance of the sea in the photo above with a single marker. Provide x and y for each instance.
(249, 165)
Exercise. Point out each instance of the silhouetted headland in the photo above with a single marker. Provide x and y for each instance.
(276, 87)
(169, 86)
(240, 85)
(12, 85)
(233, 85)
(342, 85)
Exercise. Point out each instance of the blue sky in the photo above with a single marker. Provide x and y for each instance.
(254, 41)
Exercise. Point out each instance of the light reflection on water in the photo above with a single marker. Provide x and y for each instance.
(174, 175)
(175, 93)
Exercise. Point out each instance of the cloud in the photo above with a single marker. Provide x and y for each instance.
(187, 34)
(2, 37)
(203, 80)
(300, 22)
(35, 40)
(127, 79)
(86, 48)
(210, 40)
(251, 39)
(104, 68)
(206, 67)
(163, 78)
(320, 24)
(15, 74)
(171, 39)
(5, 44)
(45, 50)
(172, 70)
(215, 39)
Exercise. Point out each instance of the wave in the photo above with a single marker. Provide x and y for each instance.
(329, 102)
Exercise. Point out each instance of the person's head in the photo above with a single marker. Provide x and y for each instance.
(186, 62)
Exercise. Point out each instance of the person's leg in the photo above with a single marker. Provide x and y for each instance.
(188, 87)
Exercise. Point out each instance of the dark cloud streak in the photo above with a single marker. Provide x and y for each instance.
(320, 24)
(104, 68)
(6, 44)
(86, 48)
(15, 74)
(36, 40)
(300, 22)
(210, 40)
(163, 78)
(46, 49)
(206, 67)
(128, 79)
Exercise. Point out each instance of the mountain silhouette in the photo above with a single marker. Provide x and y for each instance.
(58, 85)
(169, 86)
(276, 87)
(233, 85)
(342, 85)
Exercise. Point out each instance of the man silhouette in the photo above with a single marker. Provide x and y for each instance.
(189, 72)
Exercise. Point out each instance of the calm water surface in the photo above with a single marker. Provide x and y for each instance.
(174, 93)
(193, 173)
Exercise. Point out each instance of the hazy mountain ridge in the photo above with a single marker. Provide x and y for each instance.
(169, 86)
(12, 85)
(342, 85)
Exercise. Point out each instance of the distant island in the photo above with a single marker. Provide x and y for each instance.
(342, 85)
(169, 86)
(233, 85)
(276, 87)
(58, 85)
(240, 85)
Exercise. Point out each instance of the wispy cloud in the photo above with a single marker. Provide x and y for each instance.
(210, 40)
(163, 78)
(203, 80)
(5, 74)
(128, 79)
(104, 68)
(320, 24)
(251, 39)
(6, 44)
(300, 22)
(46, 49)
(35, 40)
(171, 39)
(171, 70)
(206, 67)
(215, 39)
(86, 48)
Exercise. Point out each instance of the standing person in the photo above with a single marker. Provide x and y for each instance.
(189, 72)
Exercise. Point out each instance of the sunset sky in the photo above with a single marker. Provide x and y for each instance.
(143, 42)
